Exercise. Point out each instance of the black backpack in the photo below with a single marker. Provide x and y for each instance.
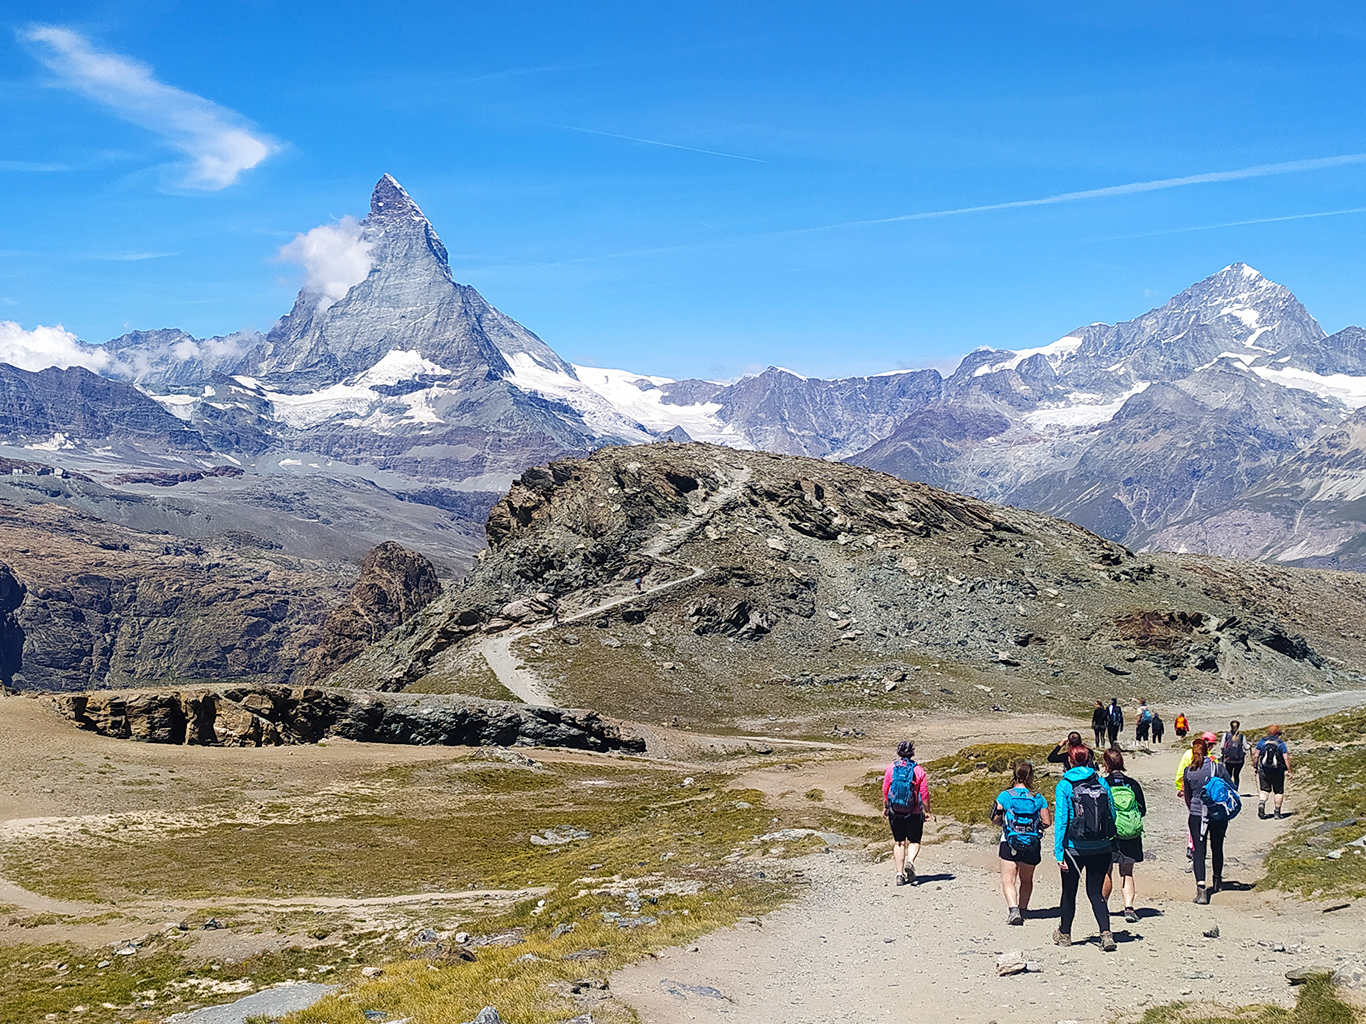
(1093, 819)
(1273, 757)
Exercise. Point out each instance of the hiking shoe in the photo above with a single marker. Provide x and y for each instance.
(1013, 916)
(1201, 896)
(900, 879)
(1261, 810)
(1107, 942)
(910, 874)
(1131, 915)
(1216, 886)
(1279, 815)
(1061, 938)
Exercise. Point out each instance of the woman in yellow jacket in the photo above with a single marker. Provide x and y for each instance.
(1209, 739)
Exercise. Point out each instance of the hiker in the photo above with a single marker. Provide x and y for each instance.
(1144, 723)
(1271, 760)
(1084, 827)
(1181, 726)
(1158, 729)
(1207, 824)
(639, 581)
(905, 804)
(1130, 810)
(1233, 752)
(1059, 753)
(1100, 720)
(1022, 815)
(1185, 762)
(1114, 721)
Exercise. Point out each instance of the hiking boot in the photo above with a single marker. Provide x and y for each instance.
(1279, 815)
(1013, 916)
(1131, 915)
(1216, 886)
(1201, 896)
(1061, 938)
(900, 879)
(910, 874)
(1261, 810)
(1107, 942)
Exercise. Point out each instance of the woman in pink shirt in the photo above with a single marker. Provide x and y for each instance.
(905, 805)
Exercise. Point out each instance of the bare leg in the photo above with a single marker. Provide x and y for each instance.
(899, 857)
(1026, 885)
(913, 852)
(1130, 890)
(1010, 883)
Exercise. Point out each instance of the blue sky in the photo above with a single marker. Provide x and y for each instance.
(698, 191)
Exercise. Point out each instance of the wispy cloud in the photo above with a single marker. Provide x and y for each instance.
(1133, 187)
(219, 142)
(32, 166)
(335, 257)
(666, 145)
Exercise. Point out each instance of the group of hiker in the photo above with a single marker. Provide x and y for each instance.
(1097, 816)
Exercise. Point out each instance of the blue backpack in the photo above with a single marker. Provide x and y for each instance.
(1021, 830)
(1221, 799)
(903, 795)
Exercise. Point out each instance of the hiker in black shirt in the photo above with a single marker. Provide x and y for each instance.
(1100, 720)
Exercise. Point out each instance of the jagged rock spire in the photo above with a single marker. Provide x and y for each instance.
(389, 199)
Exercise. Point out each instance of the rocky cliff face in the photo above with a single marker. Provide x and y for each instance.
(265, 716)
(758, 572)
(394, 585)
(103, 606)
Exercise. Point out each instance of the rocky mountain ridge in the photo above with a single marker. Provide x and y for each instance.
(706, 583)
(412, 381)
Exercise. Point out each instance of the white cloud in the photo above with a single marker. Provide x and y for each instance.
(335, 258)
(48, 346)
(218, 141)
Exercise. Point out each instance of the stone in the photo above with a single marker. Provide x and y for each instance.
(1212, 932)
(372, 972)
(1011, 962)
(1299, 975)
(427, 935)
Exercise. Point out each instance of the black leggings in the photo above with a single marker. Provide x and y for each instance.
(1234, 769)
(1097, 868)
(1213, 831)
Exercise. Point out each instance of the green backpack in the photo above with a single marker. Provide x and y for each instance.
(1128, 822)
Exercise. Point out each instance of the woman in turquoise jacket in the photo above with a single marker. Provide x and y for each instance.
(1083, 828)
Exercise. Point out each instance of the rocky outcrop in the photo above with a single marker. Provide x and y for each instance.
(279, 715)
(94, 605)
(394, 585)
(11, 633)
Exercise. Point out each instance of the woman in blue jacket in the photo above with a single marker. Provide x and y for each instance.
(1083, 828)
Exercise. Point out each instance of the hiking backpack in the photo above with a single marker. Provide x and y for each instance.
(1093, 820)
(1273, 757)
(1022, 831)
(1233, 749)
(1221, 799)
(1115, 717)
(903, 795)
(1128, 821)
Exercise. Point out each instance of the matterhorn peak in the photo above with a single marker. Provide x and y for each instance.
(390, 199)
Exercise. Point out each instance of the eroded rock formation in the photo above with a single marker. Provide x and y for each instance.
(279, 715)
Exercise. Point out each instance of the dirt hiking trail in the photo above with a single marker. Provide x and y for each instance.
(856, 947)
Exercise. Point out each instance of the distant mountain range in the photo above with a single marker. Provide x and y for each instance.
(1224, 421)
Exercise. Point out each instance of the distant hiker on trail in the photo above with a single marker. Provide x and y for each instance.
(1084, 828)
(1130, 809)
(639, 581)
(1158, 728)
(1061, 751)
(1114, 721)
(1233, 752)
(1181, 726)
(905, 803)
(1022, 815)
(1272, 761)
(1212, 802)
(1144, 723)
(1100, 720)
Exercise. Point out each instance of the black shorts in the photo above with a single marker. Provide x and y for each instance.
(1127, 849)
(1272, 781)
(908, 829)
(1021, 856)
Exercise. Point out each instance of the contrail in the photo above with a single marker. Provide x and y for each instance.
(1260, 171)
(1235, 224)
(667, 145)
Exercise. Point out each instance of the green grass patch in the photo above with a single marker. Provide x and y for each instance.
(1316, 1003)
